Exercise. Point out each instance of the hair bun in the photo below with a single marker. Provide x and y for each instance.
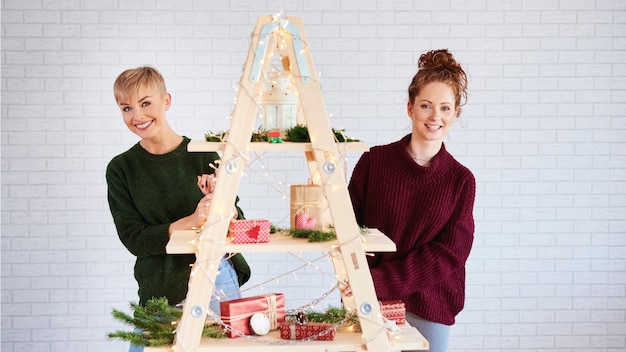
(437, 60)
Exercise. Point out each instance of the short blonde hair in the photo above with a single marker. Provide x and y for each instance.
(130, 81)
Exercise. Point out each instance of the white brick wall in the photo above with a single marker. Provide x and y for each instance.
(544, 132)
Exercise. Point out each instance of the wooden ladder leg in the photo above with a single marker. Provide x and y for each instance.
(325, 155)
(211, 245)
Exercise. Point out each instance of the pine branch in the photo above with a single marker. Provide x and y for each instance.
(158, 321)
(332, 315)
(214, 331)
(298, 133)
(313, 235)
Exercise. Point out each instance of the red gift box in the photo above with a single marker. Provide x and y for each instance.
(295, 331)
(237, 312)
(249, 231)
(393, 310)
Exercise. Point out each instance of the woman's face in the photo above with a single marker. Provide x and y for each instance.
(144, 113)
(433, 112)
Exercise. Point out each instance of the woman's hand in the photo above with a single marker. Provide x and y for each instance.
(347, 291)
(202, 211)
(206, 183)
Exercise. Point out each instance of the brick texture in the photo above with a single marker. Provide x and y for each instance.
(544, 132)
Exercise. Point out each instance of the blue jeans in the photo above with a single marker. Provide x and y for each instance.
(226, 287)
(437, 334)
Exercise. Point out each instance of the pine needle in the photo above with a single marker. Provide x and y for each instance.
(157, 322)
(332, 315)
(310, 234)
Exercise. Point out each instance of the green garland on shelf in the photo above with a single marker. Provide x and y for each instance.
(157, 321)
(311, 234)
(215, 137)
(297, 134)
(300, 133)
(332, 315)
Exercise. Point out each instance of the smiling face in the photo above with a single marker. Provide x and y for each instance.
(144, 112)
(433, 112)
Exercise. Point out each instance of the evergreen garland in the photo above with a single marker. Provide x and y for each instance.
(296, 134)
(332, 315)
(300, 133)
(215, 137)
(311, 234)
(157, 321)
(259, 136)
(341, 138)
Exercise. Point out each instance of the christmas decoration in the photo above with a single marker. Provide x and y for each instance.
(313, 235)
(284, 38)
(332, 315)
(304, 222)
(296, 134)
(317, 331)
(274, 137)
(260, 324)
(393, 310)
(279, 104)
(155, 324)
(238, 312)
(215, 137)
(300, 133)
(309, 200)
(249, 231)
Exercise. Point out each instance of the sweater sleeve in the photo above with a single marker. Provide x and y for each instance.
(140, 238)
(435, 261)
(357, 186)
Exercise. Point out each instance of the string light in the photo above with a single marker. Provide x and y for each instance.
(280, 38)
(281, 32)
(280, 35)
(388, 327)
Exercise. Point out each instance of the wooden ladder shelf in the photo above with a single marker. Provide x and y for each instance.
(284, 36)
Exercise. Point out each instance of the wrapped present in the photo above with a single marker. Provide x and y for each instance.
(249, 231)
(393, 310)
(309, 208)
(238, 312)
(295, 331)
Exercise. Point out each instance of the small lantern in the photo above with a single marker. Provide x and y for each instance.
(279, 106)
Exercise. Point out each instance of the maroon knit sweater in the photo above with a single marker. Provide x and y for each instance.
(428, 213)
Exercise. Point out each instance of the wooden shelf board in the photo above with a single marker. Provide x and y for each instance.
(197, 145)
(186, 241)
(407, 339)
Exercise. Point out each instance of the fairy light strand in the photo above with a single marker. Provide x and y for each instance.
(335, 326)
(331, 156)
(314, 267)
(306, 264)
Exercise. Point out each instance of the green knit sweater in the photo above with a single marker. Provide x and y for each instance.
(148, 192)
